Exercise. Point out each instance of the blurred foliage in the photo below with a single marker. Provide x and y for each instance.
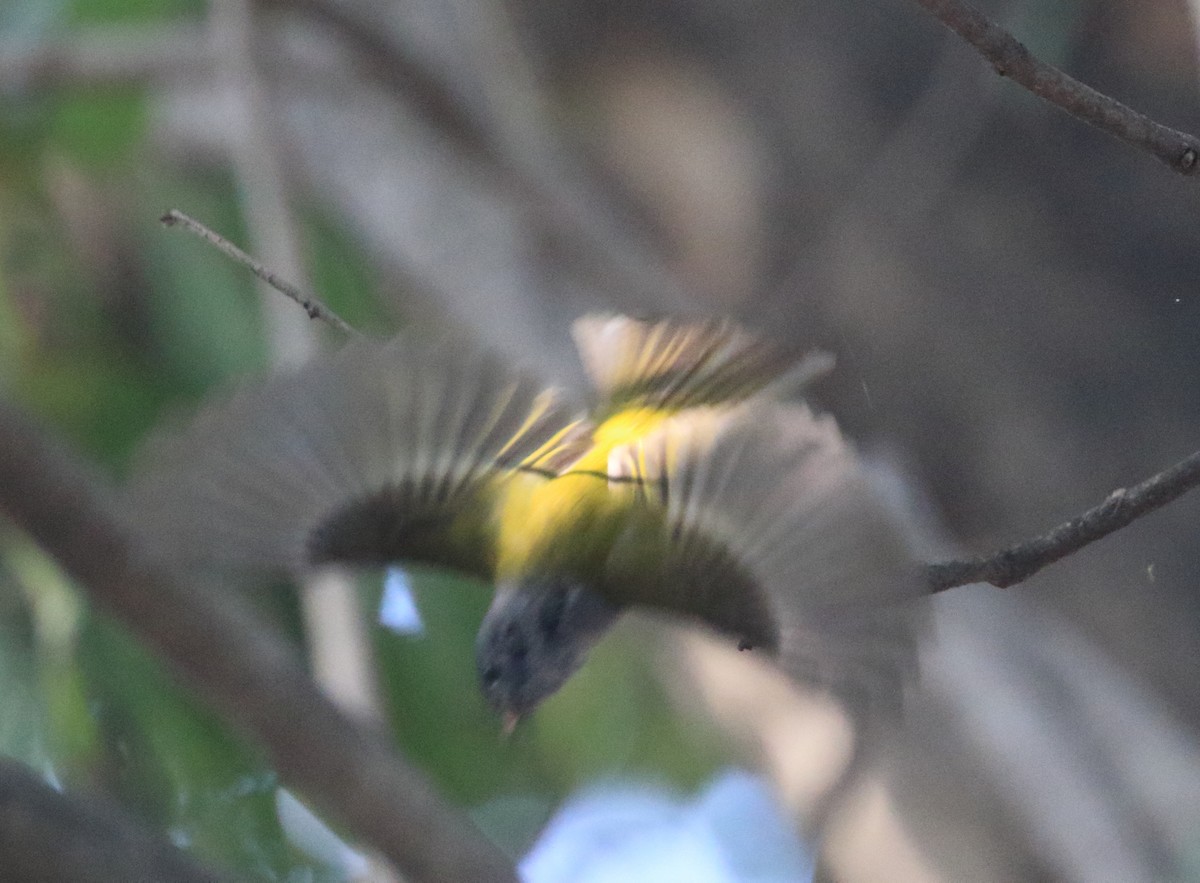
(610, 719)
(90, 12)
(109, 323)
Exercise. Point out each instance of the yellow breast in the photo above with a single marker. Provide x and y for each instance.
(566, 524)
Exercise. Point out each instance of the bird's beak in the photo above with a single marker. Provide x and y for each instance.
(508, 723)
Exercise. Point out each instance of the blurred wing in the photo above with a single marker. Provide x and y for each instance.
(383, 451)
(674, 365)
(773, 528)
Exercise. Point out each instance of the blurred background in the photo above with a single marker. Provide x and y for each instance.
(1011, 296)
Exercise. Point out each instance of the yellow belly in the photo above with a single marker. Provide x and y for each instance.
(565, 525)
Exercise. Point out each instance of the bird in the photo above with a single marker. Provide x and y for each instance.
(695, 486)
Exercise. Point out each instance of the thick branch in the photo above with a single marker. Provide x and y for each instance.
(53, 837)
(1021, 561)
(215, 642)
(1011, 59)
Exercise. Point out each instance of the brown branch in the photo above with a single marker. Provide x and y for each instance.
(311, 305)
(1011, 59)
(1021, 561)
(59, 838)
(215, 643)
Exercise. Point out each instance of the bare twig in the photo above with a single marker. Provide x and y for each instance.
(1021, 561)
(315, 308)
(216, 643)
(1011, 59)
(49, 836)
(336, 627)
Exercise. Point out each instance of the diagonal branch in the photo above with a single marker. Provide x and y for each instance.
(564, 201)
(314, 307)
(1020, 561)
(59, 838)
(1011, 59)
(215, 643)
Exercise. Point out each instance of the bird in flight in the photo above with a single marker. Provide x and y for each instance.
(692, 487)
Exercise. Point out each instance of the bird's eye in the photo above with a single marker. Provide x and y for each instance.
(550, 614)
(491, 676)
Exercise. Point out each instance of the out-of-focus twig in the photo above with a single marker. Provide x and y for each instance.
(336, 630)
(315, 308)
(221, 648)
(425, 92)
(1019, 562)
(59, 838)
(1011, 59)
(105, 56)
(565, 201)
(102, 57)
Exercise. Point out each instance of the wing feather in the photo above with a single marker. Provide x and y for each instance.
(673, 365)
(381, 451)
(777, 496)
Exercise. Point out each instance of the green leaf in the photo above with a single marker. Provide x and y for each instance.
(174, 761)
(433, 703)
(23, 721)
(99, 130)
(342, 276)
(55, 611)
(205, 313)
(612, 718)
(114, 11)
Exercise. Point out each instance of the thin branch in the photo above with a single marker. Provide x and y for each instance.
(336, 627)
(1021, 561)
(218, 645)
(1011, 59)
(59, 838)
(311, 305)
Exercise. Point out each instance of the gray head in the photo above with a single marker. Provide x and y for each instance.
(535, 635)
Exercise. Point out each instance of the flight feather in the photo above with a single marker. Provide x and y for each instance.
(380, 451)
